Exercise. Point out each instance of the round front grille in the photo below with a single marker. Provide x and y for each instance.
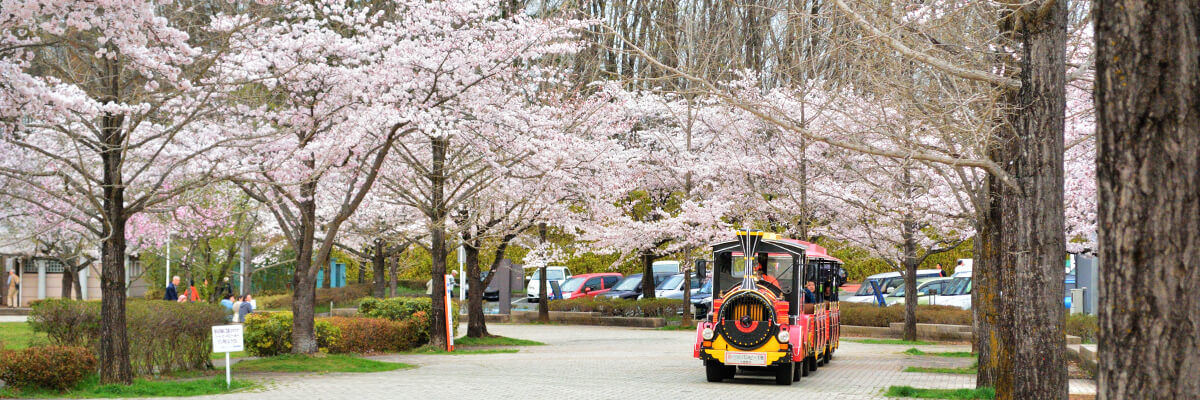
(747, 320)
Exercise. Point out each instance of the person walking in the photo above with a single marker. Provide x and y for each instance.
(237, 306)
(192, 294)
(172, 294)
(12, 288)
(246, 307)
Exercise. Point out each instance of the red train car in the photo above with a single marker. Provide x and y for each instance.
(760, 317)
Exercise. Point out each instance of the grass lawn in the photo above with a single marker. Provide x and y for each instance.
(328, 363)
(952, 394)
(19, 335)
(959, 354)
(890, 341)
(962, 371)
(91, 388)
(494, 341)
(676, 328)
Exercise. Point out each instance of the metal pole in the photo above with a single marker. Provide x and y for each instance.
(168, 277)
(462, 255)
(228, 381)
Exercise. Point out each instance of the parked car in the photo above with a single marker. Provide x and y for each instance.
(553, 274)
(925, 286)
(589, 285)
(702, 300)
(630, 287)
(888, 282)
(665, 267)
(672, 288)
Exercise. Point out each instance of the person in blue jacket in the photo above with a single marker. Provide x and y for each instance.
(171, 294)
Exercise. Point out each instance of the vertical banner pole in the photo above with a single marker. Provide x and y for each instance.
(449, 320)
(228, 381)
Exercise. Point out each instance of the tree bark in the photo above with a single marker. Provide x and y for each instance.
(114, 340)
(647, 274)
(437, 238)
(908, 235)
(377, 266)
(67, 282)
(985, 295)
(1032, 241)
(304, 280)
(394, 266)
(1148, 119)
(476, 327)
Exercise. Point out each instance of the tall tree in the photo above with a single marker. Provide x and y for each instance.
(1148, 114)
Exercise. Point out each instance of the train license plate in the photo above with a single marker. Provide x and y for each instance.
(745, 358)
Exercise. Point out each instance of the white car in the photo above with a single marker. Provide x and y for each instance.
(888, 282)
(558, 274)
(672, 288)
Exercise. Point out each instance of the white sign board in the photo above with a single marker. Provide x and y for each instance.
(227, 338)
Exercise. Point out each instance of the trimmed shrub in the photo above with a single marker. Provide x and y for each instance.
(1087, 327)
(270, 334)
(864, 314)
(405, 309)
(164, 336)
(621, 307)
(342, 295)
(374, 335)
(50, 367)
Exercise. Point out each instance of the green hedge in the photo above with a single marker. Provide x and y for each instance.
(270, 334)
(620, 307)
(342, 295)
(376, 335)
(1087, 327)
(163, 336)
(50, 367)
(865, 314)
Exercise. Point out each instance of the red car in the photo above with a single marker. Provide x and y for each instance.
(588, 285)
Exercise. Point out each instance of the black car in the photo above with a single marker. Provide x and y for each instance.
(702, 300)
(631, 286)
(490, 293)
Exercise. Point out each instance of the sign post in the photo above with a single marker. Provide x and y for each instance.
(227, 339)
(449, 319)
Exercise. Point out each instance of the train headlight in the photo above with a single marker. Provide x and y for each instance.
(783, 336)
(707, 333)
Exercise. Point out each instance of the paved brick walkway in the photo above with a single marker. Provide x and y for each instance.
(615, 363)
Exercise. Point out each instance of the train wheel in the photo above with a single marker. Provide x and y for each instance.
(812, 363)
(828, 355)
(821, 359)
(784, 373)
(803, 367)
(714, 371)
(797, 372)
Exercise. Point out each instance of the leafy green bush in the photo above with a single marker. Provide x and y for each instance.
(620, 307)
(864, 314)
(1087, 327)
(406, 308)
(50, 367)
(270, 334)
(375, 335)
(164, 336)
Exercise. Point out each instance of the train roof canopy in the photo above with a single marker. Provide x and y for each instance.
(770, 243)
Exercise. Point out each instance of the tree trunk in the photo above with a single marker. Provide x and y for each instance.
(437, 248)
(476, 326)
(1032, 241)
(114, 340)
(377, 266)
(908, 232)
(67, 282)
(304, 280)
(687, 298)
(393, 273)
(647, 274)
(1148, 119)
(985, 295)
(247, 269)
(78, 285)
(543, 301)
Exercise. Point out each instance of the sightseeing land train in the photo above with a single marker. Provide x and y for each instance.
(759, 319)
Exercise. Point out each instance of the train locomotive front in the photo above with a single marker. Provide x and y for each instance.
(759, 319)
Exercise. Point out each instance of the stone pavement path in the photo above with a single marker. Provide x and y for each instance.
(586, 362)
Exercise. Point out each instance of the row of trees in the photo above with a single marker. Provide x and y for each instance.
(644, 128)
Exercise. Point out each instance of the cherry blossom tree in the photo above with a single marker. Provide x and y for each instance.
(100, 103)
